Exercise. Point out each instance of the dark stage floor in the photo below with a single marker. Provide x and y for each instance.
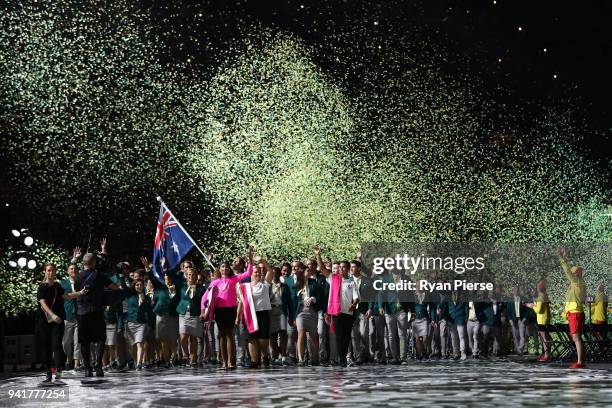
(431, 384)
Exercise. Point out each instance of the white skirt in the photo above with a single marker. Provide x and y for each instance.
(111, 334)
(135, 332)
(191, 325)
(278, 321)
(420, 327)
(167, 328)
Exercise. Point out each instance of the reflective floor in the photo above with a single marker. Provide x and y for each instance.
(431, 384)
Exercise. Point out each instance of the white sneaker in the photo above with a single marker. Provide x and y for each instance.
(463, 355)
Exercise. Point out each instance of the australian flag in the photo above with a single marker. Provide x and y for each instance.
(171, 242)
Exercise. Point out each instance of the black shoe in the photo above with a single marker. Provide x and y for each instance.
(395, 362)
(301, 364)
(342, 364)
(88, 372)
(48, 378)
(99, 372)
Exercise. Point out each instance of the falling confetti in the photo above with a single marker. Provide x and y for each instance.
(373, 134)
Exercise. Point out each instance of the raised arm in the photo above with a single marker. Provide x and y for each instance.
(148, 265)
(76, 255)
(269, 271)
(249, 269)
(320, 263)
(565, 265)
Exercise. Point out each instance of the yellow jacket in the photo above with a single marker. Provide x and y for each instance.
(598, 308)
(541, 308)
(576, 293)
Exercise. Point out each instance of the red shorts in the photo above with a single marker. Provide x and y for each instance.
(576, 322)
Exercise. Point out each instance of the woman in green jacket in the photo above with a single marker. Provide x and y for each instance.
(190, 325)
(165, 301)
(139, 317)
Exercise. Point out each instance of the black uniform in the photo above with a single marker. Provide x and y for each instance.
(50, 334)
(90, 313)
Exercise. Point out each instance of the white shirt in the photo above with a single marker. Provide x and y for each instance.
(357, 283)
(349, 294)
(261, 296)
(517, 306)
(472, 312)
(304, 292)
(494, 307)
(276, 294)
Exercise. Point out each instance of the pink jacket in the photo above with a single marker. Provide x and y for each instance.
(226, 289)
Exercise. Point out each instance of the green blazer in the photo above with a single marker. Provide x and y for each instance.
(290, 282)
(387, 299)
(510, 311)
(139, 313)
(366, 291)
(69, 304)
(192, 304)
(315, 291)
(163, 304)
(458, 312)
(492, 318)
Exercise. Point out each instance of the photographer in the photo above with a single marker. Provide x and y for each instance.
(90, 310)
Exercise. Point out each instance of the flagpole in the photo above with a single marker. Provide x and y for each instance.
(186, 233)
